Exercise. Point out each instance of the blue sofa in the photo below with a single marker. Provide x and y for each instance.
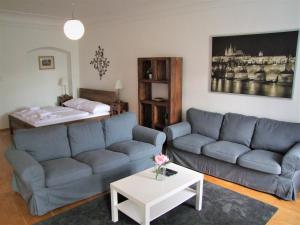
(57, 165)
(259, 153)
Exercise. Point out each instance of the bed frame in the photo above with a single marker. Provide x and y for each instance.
(107, 97)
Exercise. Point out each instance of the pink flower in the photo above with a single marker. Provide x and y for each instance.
(161, 159)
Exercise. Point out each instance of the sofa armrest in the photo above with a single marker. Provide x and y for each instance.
(26, 167)
(291, 161)
(177, 130)
(148, 135)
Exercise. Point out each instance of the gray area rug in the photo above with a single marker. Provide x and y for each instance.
(220, 207)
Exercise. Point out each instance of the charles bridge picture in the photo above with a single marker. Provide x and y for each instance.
(257, 64)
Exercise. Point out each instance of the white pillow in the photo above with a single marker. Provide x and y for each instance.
(74, 102)
(94, 107)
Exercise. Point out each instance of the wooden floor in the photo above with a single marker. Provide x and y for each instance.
(13, 210)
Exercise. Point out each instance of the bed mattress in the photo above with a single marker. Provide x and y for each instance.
(50, 115)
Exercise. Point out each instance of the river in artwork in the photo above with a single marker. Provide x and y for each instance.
(251, 87)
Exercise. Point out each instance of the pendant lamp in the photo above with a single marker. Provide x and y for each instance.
(73, 28)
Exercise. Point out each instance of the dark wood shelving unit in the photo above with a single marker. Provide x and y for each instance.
(160, 70)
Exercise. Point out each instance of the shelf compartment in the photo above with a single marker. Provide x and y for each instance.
(160, 117)
(145, 91)
(145, 118)
(145, 68)
(162, 69)
(132, 210)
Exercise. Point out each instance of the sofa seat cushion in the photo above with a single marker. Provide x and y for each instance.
(64, 170)
(135, 149)
(102, 160)
(225, 151)
(192, 143)
(262, 160)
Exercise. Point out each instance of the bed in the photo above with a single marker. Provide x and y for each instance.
(52, 115)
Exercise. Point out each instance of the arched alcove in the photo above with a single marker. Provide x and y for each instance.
(69, 66)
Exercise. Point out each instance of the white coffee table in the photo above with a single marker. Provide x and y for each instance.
(149, 198)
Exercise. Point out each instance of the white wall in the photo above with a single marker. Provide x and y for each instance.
(187, 34)
(21, 82)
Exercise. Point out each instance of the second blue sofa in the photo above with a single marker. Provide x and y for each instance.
(57, 165)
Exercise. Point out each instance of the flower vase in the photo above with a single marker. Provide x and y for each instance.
(160, 172)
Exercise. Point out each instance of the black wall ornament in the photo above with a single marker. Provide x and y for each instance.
(99, 62)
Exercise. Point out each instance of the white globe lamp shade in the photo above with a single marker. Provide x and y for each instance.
(73, 29)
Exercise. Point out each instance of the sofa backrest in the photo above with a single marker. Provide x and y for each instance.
(119, 128)
(276, 136)
(205, 123)
(238, 128)
(43, 143)
(86, 136)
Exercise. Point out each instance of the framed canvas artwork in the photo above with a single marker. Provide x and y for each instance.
(255, 64)
(46, 62)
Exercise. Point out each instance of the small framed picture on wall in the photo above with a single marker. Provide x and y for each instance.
(46, 62)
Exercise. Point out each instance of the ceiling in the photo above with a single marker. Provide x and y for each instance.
(95, 10)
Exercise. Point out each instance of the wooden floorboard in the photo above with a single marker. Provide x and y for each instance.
(13, 209)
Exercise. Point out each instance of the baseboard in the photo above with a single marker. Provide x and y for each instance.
(4, 129)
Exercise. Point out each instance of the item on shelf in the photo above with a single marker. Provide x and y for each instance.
(158, 99)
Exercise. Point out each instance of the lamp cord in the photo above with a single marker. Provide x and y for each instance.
(73, 9)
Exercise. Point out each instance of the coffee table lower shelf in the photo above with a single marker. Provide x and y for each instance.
(132, 210)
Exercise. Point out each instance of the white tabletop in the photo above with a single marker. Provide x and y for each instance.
(145, 189)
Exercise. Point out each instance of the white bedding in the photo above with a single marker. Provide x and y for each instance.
(87, 105)
(50, 115)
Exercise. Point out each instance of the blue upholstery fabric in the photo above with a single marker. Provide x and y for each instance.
(119, 128)
(291, 161)
(47, 177)
(238, 128)
(27, 168)
(44, 143)
(205, 123)
(276, 136)
(64, 170)
(262, 160)
(225, 151)
(85, 136)
(178, 130)
(135, 149)
(103, 160)
(151, 136)
(192, 143)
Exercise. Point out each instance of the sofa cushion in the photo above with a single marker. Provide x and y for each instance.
(276, 136)
(103, 160)
(135, 149)
(225, 151)
(262, 160)
(119, 128)
(64, 170)
(205, 123)
(192, 143)
(44, 143)
(86, 136)
(238, 128)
